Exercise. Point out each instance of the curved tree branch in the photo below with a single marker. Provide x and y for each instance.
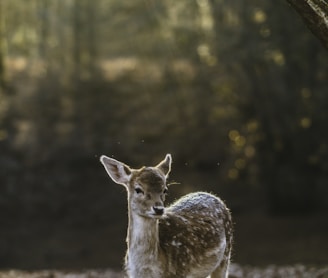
(315, 16)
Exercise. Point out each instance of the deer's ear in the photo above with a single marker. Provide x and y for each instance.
(165, 165)
(118, 171)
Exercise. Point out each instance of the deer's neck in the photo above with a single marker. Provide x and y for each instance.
(143, 246)
(143, 234)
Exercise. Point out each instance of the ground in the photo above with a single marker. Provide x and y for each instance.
(237, 271)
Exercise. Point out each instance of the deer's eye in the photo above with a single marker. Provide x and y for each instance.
(165, 190)
(138, 190)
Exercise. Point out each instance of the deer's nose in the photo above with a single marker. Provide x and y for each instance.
(159, 210)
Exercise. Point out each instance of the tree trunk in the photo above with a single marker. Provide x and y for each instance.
(77, 41)
(315, 16)
(44, 28)
(2, 62)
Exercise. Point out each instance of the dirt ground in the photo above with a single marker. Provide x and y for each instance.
(236, 271)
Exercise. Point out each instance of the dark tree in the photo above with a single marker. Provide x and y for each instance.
(2, 66)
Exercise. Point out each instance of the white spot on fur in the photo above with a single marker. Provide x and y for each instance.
(176, 243)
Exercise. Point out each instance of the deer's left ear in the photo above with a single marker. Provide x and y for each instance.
(165, 165)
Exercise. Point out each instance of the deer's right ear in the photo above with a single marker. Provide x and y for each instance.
(118, 171)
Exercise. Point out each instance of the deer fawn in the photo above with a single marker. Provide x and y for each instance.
(192, 238)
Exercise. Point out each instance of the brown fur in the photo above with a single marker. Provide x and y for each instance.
(192, 238)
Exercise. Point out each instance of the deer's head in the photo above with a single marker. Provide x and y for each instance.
(146, 186)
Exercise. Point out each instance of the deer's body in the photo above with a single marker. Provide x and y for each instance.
(192, 238)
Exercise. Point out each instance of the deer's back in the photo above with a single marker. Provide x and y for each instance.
(195, 233)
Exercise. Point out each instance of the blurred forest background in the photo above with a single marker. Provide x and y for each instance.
(235, 90)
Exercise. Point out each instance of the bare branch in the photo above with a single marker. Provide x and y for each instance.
(315, 16)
